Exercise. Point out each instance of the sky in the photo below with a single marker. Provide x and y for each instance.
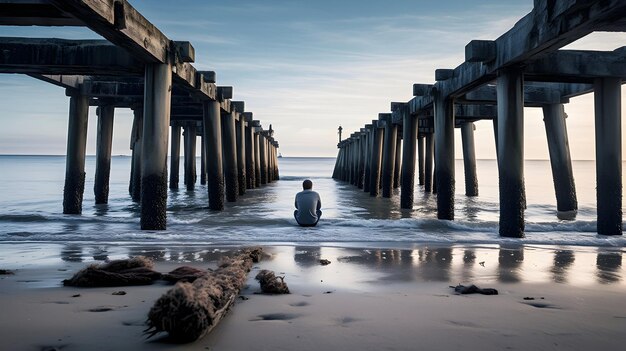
(305, 67)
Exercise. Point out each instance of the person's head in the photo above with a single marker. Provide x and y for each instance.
(307, 184)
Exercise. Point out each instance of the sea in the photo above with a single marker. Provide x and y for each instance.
(31, 194)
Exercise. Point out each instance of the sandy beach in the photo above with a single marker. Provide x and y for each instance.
(366, 299)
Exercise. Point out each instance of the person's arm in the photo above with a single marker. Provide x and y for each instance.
(319, 203)
(296, 201)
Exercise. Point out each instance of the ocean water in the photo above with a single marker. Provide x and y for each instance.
(31, 193)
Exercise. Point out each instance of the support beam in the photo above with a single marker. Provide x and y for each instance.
(202, 161)
(241, 153)
(429, 140)
(444, 155)
(75, 157)
(156, 122)
(250, 153)
(136, 142)
(190, 155)
(608, 122)
(229, 141)
(420, 159)
(510, 89)
(389, 156)
(175, 157)
(409, 136)
(213, 144)
(560, 160)
(398, 164)
(469, 158)
(104, 143)
(368, 159)
(361, 159)
(377, 150)
(257, 159)
(263, 158)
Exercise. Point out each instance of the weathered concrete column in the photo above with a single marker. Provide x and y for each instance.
(361, 165)
(469, 158)
(336, 168)
(229, 140)
(270, 161)
(389, 155)
(156, 122)
(257, 158)
(560, 160)
(429, 150)
(377, 150)
(190, 155)
(608, 120)
(444, 155)
(213, 144)
(175, 157)
(136, 141)
(263, 158)
(202, 161)
(510, 95)
(241, 153)
(75, 158)
(276, 168)
(368, 159)
(398, 164)
(104, 143)
(409, 136)
(250, 163)
(420, 159)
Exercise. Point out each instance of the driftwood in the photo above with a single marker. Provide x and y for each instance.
(184, 274)
(189, 311)
(133, 271)
(473, 289)
(271, 284)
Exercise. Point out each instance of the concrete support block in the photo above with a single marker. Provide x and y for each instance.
(104, 143)
(398, 164)
(175, 157)
(480, 51)
(241, 154)
(257, 159)
(409, 136)
(202, 162)
(377, 150)
(420, 159)
(75, 158)
(136, 142)
(190, 155)
(229, 141)
(389, 157)
(213, 144)
(429, 156)
(469, 158)
(444, 156)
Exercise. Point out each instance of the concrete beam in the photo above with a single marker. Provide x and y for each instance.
(34, 13)
(480, 51)
(577, 66)
(422, 89)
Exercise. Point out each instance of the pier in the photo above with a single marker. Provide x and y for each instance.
(524, 67)
(139, 68)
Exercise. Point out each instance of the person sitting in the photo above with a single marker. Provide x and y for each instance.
(308, 204)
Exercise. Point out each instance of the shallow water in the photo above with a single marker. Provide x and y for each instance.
(32, 190)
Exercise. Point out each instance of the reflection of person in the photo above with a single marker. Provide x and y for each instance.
(308, 204)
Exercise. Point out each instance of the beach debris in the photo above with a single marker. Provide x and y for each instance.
(473, 289)
(101, 309)
(244, 298)
(132, 271)
(119, 293)
(76, 295)
(271, 284)
(528, 298)
(328, 292)
(189, 311)
(6, 272)
(482, 263)
(324, 262)
(184, 274)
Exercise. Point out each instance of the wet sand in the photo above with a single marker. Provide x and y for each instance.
(367, 299)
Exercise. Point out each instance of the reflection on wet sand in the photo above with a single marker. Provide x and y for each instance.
(509, 264)
(563, 260)
(609, 266)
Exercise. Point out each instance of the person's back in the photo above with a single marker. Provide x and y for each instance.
(308, 204)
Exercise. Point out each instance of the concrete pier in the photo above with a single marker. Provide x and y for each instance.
(367, 174)
(429, 155)
(241, 152)
(420, 159)
(560, 160)
(469, 158)
(398, 162)
(608, 125)
(250, 153)
(136, 136)
(202, 162)
(213, 144)
(361, 160)
(104, 143)
(75, 158)
(229, 141)
(190, 155)
(175, 157)
(156, 122)
(263, 158)
(377, 150)
(510, 95)
(409, 136)
(257, 159)
(444, 155)
(389, 156)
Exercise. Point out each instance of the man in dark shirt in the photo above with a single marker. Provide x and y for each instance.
(308, 204)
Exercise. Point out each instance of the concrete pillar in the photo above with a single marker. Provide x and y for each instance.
(510, 95)
(361, 165)
(202, 162)
(270, 161)
(336, 168)
(469, 158)
(190, 155)
(263, 158)
(156, 123)
(229, 141)
(444, 155)
(136, 141)
(377, 150)
(213, 143)
(398, 163)
(175, 157)
(257, 158)
(75, 158)
(250, 164)
(276, 168)
(104, 143)
(389, 156)
(420, 159)
(429, 149)
(608, 120)
(368, 160)
(409, 136)
(241, 154)
(560, 160)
